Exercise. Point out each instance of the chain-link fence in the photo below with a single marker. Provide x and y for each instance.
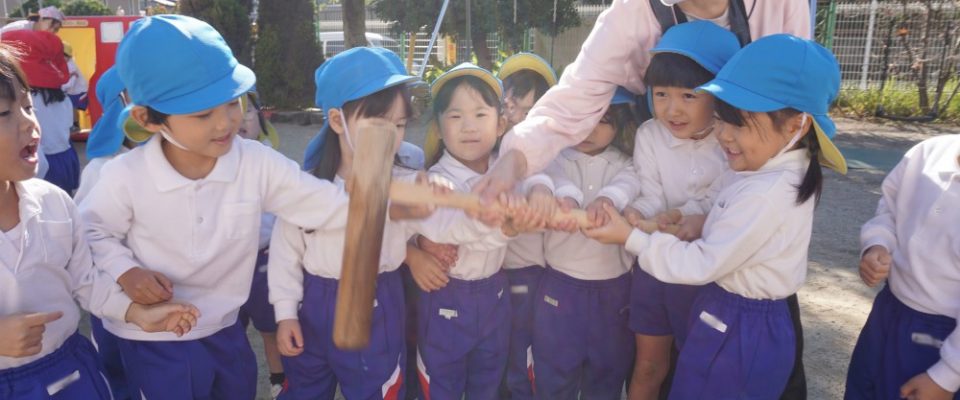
(895, 42)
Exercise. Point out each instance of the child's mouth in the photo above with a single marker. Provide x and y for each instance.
(223, 139)
(676, 126)
(29, 152)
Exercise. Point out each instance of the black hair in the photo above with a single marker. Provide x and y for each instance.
(812, 184)
(624, 121)
(50, 95)
(374, 105)
(156, 117)
(675, 70)
(10, 72)
(520, 83)
(442, 101)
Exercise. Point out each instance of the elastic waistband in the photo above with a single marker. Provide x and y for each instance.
(331, 282)
(936, 319)
(42, 364)
(587, 284)
(717, 294)
(496, 281)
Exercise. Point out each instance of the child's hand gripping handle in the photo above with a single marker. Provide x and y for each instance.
(410, 193)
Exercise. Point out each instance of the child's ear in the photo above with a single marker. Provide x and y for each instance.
(802, 123)
(139, 114)
(335, 117)
(501, 125)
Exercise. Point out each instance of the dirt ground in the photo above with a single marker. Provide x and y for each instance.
(834, 302)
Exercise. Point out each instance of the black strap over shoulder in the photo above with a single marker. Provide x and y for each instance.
(669, 16)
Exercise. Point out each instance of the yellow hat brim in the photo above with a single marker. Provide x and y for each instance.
(135, 132)
(477, 72)
(431, 143)
(830, 155)
(533, 62)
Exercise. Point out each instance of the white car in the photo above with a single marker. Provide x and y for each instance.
(332, 42)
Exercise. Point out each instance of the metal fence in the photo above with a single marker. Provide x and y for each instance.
(890, 42)
(875, 41)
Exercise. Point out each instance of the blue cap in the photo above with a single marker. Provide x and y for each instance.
(351, 75)
(783, 71)
(106, 138)
(704, 42)
(623, 96)
(179, 65)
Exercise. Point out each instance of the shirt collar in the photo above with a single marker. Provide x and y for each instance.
(949, 165)
(456, 169)
(166, 178)
(29, 204)
(610, 154)
(791, 160)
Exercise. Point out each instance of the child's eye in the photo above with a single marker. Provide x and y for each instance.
(481, 115)
(4, 113)
(28, 109)
(660, 94)
(689, 96)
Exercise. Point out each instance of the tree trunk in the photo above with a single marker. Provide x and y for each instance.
(479, 39)
(354, 23)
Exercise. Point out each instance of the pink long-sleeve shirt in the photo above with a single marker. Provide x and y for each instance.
(617, 53)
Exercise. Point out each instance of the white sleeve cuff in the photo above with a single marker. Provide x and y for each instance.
(118, 268)
(637, 242)
(945, 376)
(116, 306)
(286, 309)
(538, 179)
(571, 192)
(692, 208)
(619, 197)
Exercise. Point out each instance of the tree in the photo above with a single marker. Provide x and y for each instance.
(32, 6)
(229, 17)
(509, 18)
(287, 52)
(86, 7)
(354, 23)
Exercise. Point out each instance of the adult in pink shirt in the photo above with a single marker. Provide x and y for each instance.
(615, 54)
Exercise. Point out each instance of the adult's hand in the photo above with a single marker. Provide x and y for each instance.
(503, 176)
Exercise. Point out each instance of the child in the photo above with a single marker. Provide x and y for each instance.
(45, 263)
(678, 157)
(46, 69)
(76, 86)
(464, 324)
(581, 343)
(909, 345)
(257, 309)
(104, 144)
(356, 86)
(774, 96)
(179, 216)
(526, 77)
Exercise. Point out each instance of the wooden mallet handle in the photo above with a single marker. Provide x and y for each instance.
(414, 194)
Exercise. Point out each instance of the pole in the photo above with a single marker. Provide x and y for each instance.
(469, 31)
(866, 51)
(433, 38)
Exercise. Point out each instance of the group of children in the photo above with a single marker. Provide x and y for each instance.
(169, 252)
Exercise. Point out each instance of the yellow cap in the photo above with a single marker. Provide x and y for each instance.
(830, 155)
(533, 62)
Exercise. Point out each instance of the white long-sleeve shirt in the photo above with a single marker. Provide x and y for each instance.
(472, 264)
(576, 174)
(201, 234)
(592, 176)
(674, 173)
(55, 121)
(755, 239)
(45, 265)
(294, 250)
(917, 221)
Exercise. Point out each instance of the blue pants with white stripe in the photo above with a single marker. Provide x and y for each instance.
(896, 344)
(71, 372)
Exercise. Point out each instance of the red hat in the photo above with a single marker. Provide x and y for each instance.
(41, 57)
